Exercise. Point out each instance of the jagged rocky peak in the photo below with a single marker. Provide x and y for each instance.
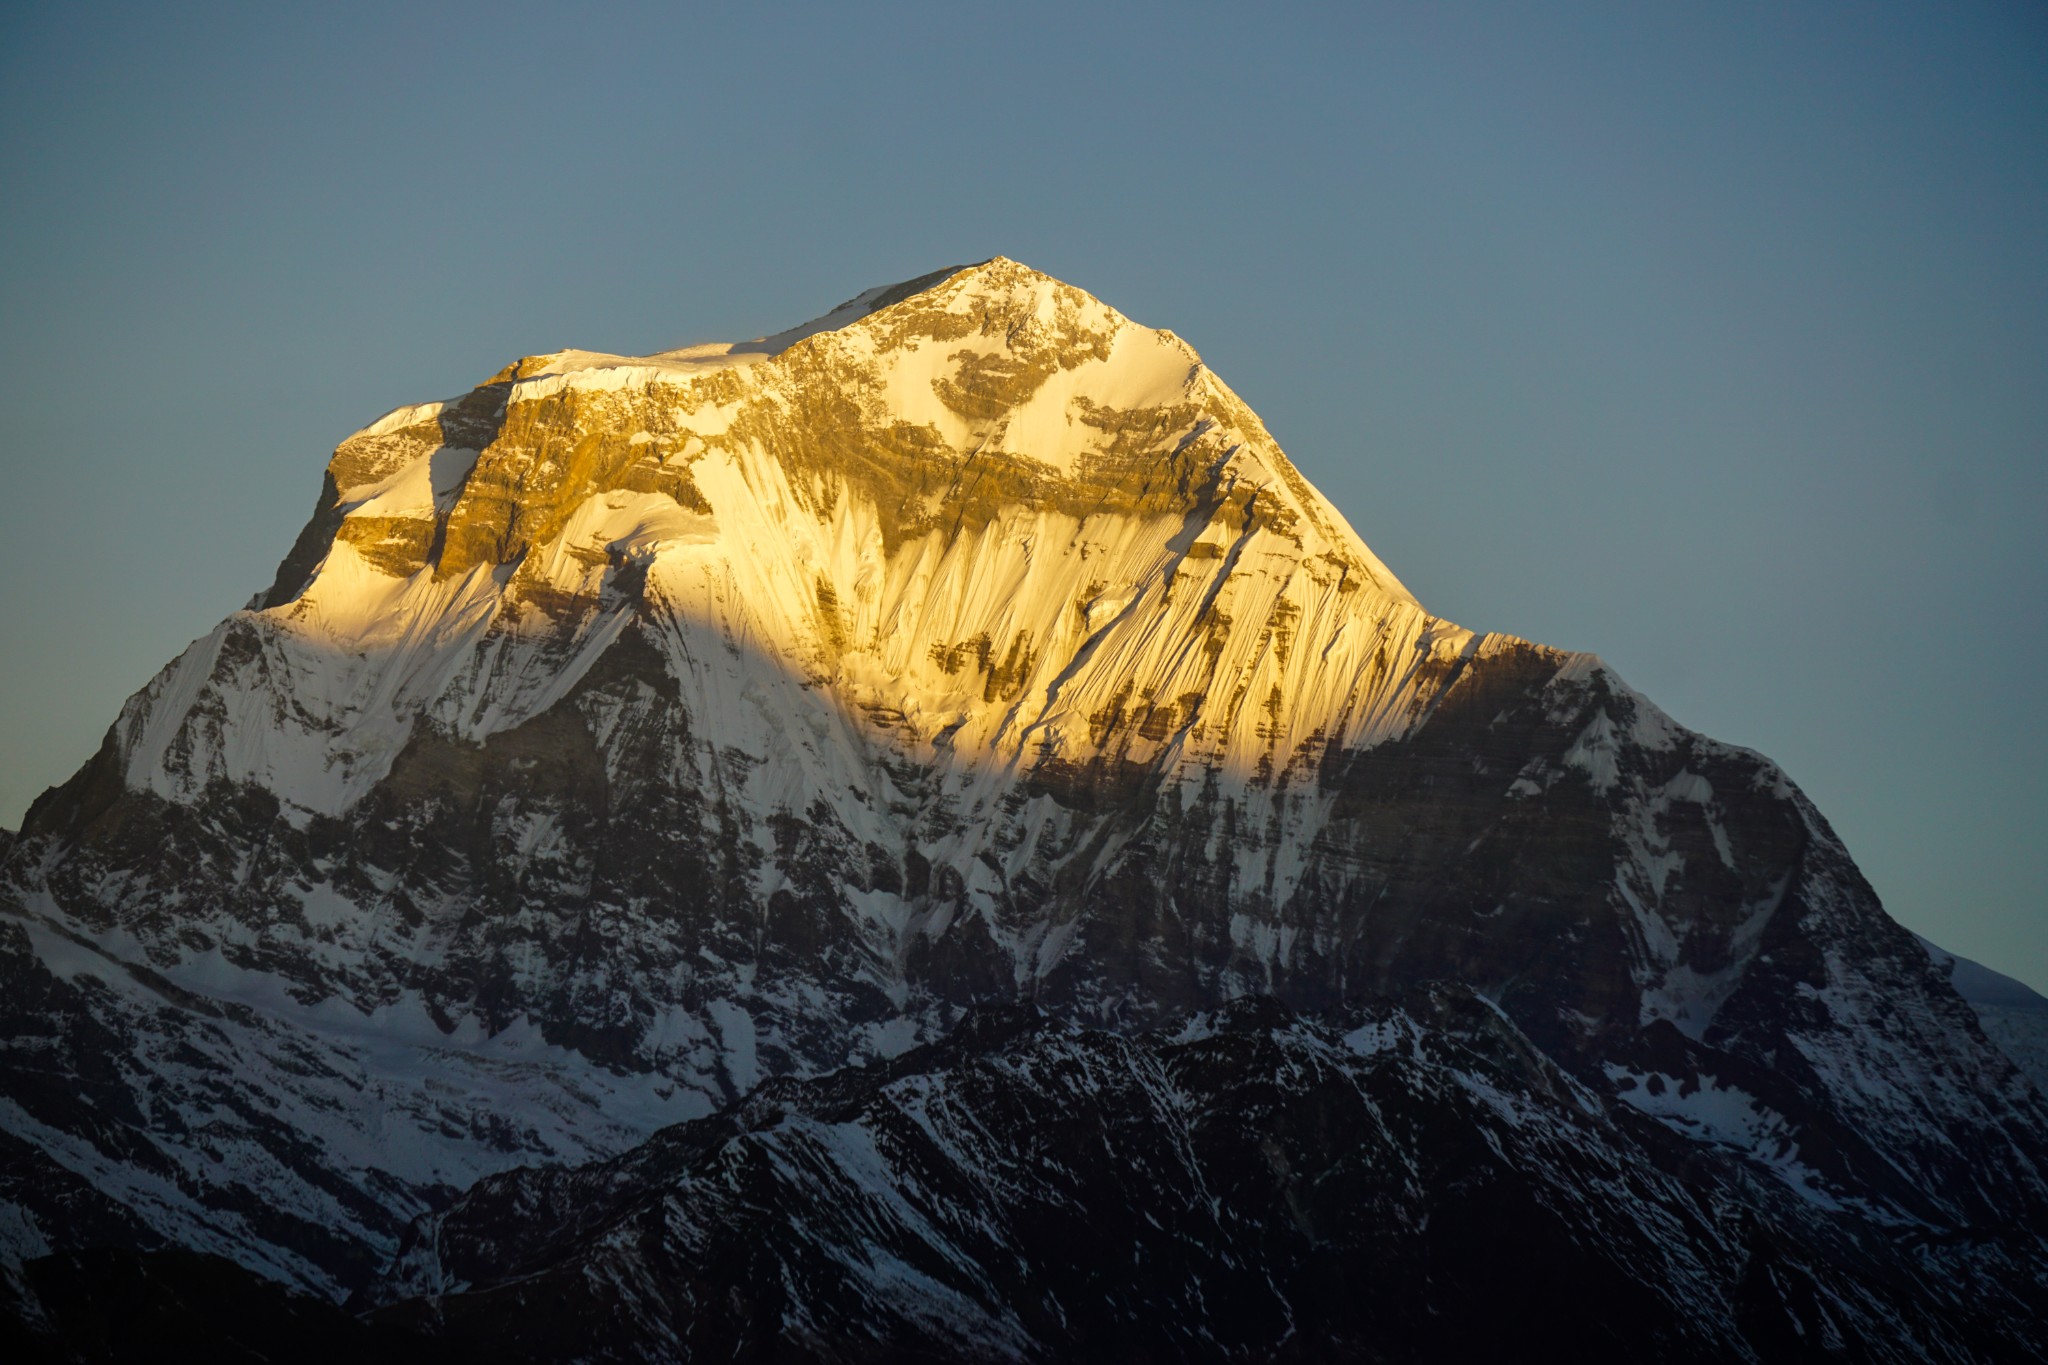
(937, 402)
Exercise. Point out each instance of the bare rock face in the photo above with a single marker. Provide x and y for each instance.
(631, 731)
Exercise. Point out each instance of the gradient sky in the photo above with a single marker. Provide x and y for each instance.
(1713, 342)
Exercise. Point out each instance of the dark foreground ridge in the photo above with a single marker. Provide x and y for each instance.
(1396, 1181)
(174, 1306)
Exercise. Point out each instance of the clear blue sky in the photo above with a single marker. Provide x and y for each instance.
(1713, 339)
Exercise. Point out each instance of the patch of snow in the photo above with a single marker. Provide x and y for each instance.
(1597, 752)
(1727, 1117)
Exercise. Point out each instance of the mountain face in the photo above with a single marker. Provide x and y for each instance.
(631, 733)
(2014, 1015)
(1253, 1184)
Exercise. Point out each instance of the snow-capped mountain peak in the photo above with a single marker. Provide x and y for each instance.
(633, 730)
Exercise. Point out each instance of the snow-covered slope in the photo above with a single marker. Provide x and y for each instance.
(1249, 1186)
(2014, 1014)
(632, 730)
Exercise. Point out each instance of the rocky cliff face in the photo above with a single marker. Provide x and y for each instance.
(632, 730)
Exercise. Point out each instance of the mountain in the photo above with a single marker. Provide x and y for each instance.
(1252, 1184)
(2014, 1014)
(632, 738)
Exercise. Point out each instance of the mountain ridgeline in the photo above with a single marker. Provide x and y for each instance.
(932, 813)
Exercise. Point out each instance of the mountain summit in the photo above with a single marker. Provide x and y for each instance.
(632, 731)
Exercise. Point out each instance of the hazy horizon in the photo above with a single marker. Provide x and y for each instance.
(1714, 345)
